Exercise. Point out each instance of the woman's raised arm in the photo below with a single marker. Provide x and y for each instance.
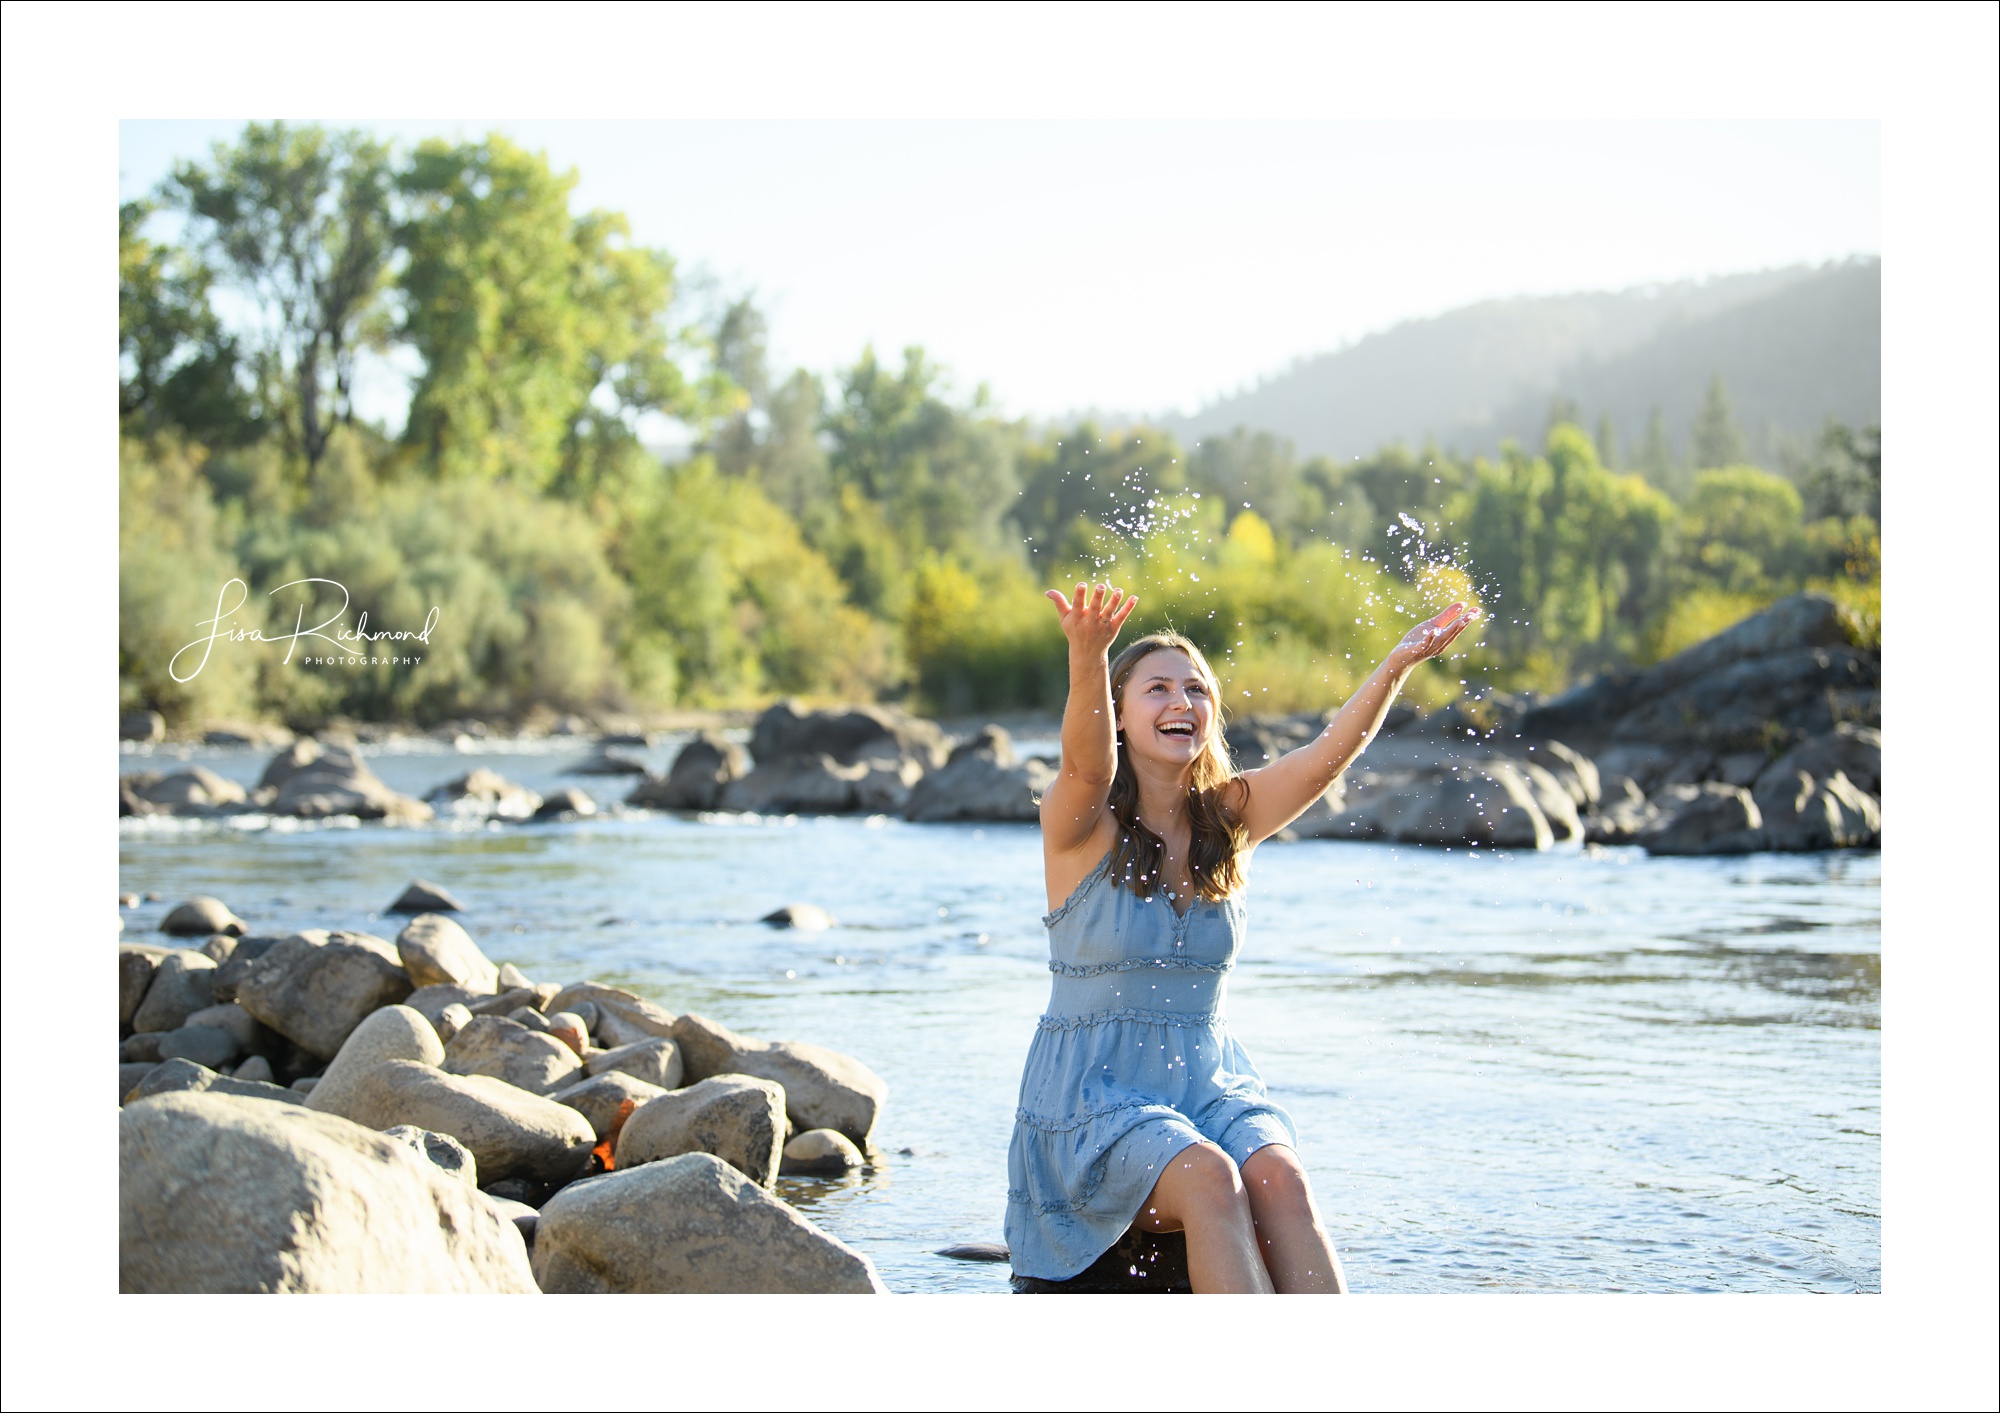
(1075, 802)
(1280, 792)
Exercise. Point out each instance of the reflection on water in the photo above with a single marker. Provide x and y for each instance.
(1566, 1071)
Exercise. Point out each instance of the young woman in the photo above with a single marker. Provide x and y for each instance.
(1137, 1104)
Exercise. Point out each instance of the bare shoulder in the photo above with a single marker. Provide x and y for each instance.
(1064, 869)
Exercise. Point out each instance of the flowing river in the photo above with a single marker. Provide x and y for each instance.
(1574, 1070)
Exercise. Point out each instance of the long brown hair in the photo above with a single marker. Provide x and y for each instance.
(1215, 824)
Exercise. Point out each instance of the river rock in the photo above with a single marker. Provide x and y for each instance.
(1805, 813)
(820, 1152)
(258, 1068)
(220, 1195)
(739, 1119)
(136, 965)
(1577, 773)
(251, 1038)
(605, 761)
(705, 766)
(804, 917)
(317, 995)
(1711, 818)
(622, 1018)
(1553, 799)
(141, 1048)
(977, 786)
(602, 1100)
(884, 786)
(500, 1003)
(195, 791)
(689, 1225)
(446, 1153)
(450, 1021)
(431, 1002)
(511, 977)
(483, 794)
(508, 1050)
(1490, 803)
(142, 726)
(533, 1020)
(242, 960)
(1850, 750)
(795, 785)
(566, 803)
(512, 1133)
(570, 1028)
(206, 1045)
(313, 780)
(423, 896)
(183, 983)
(392, 1033)
(201, 916)
(656, 1061)
(822, 1088)
(185, 1076)
(436, 951)
(219, 948)
(132, 1074)
(787, 729)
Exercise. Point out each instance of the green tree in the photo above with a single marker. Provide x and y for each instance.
(1844, 477)
(1716, 440)
(177, 368)
(1742, 530)
(299, 221)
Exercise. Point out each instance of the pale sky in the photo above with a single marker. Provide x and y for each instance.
(1151, 266)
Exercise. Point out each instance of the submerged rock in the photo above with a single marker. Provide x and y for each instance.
(705, 766)
(423, 896)
(483, 794)
(201, 917)
(820, 1152)
(805, 917)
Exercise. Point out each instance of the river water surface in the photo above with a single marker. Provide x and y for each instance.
(1575, 1070)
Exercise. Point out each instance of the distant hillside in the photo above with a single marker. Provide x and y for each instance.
(1793, 347)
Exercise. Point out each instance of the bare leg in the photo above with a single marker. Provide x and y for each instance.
(1294, 1243)
(1201, 1193)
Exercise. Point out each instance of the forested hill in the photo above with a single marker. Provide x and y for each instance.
(1793, 347)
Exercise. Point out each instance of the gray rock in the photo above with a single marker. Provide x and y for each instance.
(206, 1045)
(533, 1020)
(1623, 813)
(136, 964)
(820, 1152)
(512, 1133)
(1490, 803)
(690, 1225)
(566, 803)
(607, 762)
(739, 1119)
(312, 780)
(183, 983)
(423, 896)
(1850, 750)
(787, 729)
(705, 766)
(305, 1084)
(823, 1088)
(185, 1076)
(441, 1149)
(658, 1062)
(195, 791)
(805, 917)
(511, 977)
(607, 1100)
(508, 1050)
(316, 996)
(1555, 802)
(141, 1048)
(142, 726)
(1806, 813)
(585, 1011)
(392, 1033)
(886, 785)
(977, 786)
(1576, 772)
(131, 1075)
(484, 794)
(217, 1195)
(201, 916)
(436, 951)
(503, 1002)
(219, 948)
(257, 1068)
(524, 1217)
(570, 1028)
(795, 785)
(622, 1018)
(431, 1002)
(243, 959)
(251, 1038)
(1711, 818)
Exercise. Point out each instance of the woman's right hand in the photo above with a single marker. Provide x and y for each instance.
(1092, 618)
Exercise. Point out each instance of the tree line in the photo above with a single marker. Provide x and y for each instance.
(875, 535)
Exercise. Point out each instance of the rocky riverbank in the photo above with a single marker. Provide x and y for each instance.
(1765, 737)
(332, 1111)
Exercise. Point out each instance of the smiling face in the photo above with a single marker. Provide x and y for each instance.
(1167, 710)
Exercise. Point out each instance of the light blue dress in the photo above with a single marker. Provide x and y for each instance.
(1131, 1064)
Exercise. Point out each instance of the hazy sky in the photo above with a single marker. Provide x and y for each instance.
(1151, 266)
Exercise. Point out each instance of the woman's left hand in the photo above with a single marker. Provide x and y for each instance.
(1433, 636)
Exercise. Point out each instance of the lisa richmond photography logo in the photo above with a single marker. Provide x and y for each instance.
(333, 644)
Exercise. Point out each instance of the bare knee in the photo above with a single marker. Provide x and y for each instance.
(1200, 1183)
(1275, 1182)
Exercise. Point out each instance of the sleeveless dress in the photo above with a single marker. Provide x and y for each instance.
(1131, 1064)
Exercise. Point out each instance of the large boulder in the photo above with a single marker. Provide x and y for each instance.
(705, 765)
(483, 794)
(1802, 812)
(201, 917)
(136, 965)
(658, 1062)
(183, 983)
(251, 1037)
(1489, 803)
(182, 1076)
(194, 791)
(311, 780)
(823, 1088)
(441, 1150)
(507, 1050)
(1848, 749)
(607, 1100)
(204, 1044)
(142, 726)
(1711, 818)
(242, 960)
(688, 1225)
(1576, 772)
(436, 951)
(616, 1017)
(815, 784)
(223, 1195)
(1553, 799)
(565, 804)
(788, 729)
(1623, 812)
(317, 994)
(392, 1033)
(982, 784)
(510, 1132)
(739, 1119)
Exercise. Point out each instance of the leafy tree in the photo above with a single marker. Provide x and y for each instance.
(1743, 529)
(1844, 477)
(299, 221)
(177, 368)
(1716, 439)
